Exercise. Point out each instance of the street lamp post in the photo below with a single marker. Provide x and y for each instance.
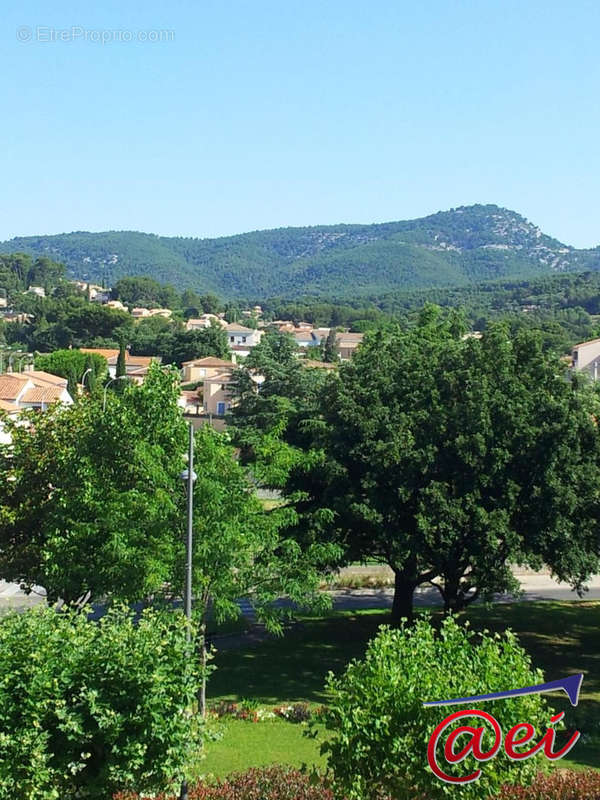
(112, 380)
(189, 476)
(89, 369)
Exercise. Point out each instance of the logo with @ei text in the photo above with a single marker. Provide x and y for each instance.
(519, 735)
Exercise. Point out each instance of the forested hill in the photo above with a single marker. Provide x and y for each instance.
(450, 248)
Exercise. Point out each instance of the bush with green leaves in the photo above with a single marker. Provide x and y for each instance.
(380, 728)
(90, 708)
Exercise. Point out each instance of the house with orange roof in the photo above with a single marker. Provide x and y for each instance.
(32, 389)
(199, 368)
(204, 321)
(347, 343)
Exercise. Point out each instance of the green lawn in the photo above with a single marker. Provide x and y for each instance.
(246, 744)
(563, 638)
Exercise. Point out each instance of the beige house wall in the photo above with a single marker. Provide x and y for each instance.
(585, 354)
(213, 394)
(191, 374)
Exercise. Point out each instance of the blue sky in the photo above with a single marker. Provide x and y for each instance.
(266, 114)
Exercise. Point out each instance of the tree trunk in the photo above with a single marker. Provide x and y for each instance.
(404, 589)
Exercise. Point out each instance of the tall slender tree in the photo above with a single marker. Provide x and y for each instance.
(121, 369)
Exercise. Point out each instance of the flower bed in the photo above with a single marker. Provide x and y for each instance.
(295, 712)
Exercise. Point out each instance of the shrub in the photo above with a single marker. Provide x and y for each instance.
(267, 783)
(380, 728)
(563, 785)
(88, 708)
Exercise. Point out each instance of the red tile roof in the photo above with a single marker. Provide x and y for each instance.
(41, 394)
(101, 351)
(6, 406)
(209, 361)
(10, 386)
(37, 376)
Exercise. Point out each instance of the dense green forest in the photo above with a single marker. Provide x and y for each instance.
(452, 248)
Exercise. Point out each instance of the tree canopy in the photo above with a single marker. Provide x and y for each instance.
(447, 458)
(90, 499)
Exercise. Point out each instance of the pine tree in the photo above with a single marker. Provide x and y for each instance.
(330, 351)
(72, 387)
(121, 368)
(91, 376)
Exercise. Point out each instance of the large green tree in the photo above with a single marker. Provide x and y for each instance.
(178, 346)
(90, 500)
(451, 458)
(241, 549)
(61, 362)
(142, 291)
(277, 397)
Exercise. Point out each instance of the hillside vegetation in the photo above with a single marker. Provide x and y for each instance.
(452, 248)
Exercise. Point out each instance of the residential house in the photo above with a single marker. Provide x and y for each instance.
(98, 295)
(17, 316)
(32, 389)
(240, 336)
(12, 411)
(117, 304)
(321, 334)
(305, 337)
(281, 323)
(586, 357)
(200, 368)
(138, 313)
(161, 312)
(39, 291)
(204, 321)
(347, 344)
(190, 402)
(217, 394)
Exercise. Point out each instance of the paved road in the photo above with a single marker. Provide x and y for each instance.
(535, 586)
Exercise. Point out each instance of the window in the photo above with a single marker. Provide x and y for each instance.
(244, 339)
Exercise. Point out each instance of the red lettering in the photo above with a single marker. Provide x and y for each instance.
(473, 745)
(511, 740)
(546, 742)
(549, 737)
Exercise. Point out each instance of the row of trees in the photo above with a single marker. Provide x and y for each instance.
(441, 456)
(74, 322)
(91, 501)
(449, 459)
